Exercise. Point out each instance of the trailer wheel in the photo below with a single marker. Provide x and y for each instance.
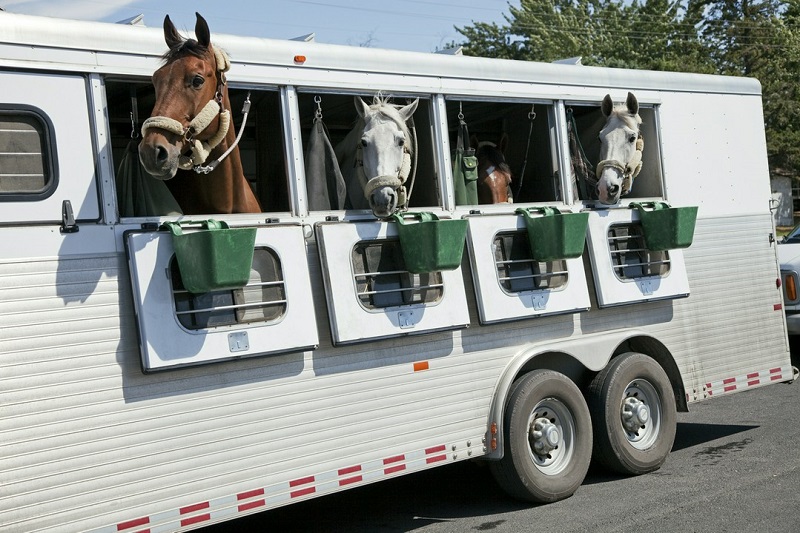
(548, 438)
(633, 414)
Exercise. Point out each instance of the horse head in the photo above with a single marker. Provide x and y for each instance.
(189, 114)
(494, 174)
(385, 150)
(620, 149)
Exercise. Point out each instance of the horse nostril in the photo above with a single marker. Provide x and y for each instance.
(612, 189)
(161, 154)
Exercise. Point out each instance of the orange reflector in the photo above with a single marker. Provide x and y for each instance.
(493, 444)
(494, 428)
(791, 289)
(422, 365)
(299, 59)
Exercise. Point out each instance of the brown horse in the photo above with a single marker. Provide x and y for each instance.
(494, 174)
(190, 126)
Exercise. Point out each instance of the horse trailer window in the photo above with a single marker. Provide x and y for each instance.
(630, 257)
(382, 281)
(273, 313)
(27, 157)
(342, 162)
(624, 270)
(584, 123)
(517, 271)
(371, 295)
(514, 144)
(260, 149)
(263, 299)
(511, 284)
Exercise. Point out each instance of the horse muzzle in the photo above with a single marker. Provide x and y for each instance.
(159, 159)
(385, 195)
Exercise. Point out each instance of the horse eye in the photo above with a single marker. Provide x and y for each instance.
(632, 138)
(401, 142)
(364, 143)
(198, 81)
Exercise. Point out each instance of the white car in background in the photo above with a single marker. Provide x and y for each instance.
(789, 258)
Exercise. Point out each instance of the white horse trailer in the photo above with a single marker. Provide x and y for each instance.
(130, 404)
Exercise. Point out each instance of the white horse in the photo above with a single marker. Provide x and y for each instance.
(375, 157)
(621, 147)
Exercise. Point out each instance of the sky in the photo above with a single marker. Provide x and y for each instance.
(418, 25)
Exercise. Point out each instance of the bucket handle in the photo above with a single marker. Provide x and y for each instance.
(176, 227)
(424, 216)
(655, 206)
(546, 211)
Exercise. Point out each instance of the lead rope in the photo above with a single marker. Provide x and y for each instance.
(414, 160)
(200, 169)
(531, 118)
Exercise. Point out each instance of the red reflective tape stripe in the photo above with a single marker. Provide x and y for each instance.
(195, 519)
(729, 388)
(302, 481)
(195, 507)
(435, 459)
(753, 382)
(435, 449)
(774, 370)
(252, 505)
(777, 307)
(251, 494)
(350, 480)
(776, 377)
(394, 469)
(349, 470)
(752, 375)
(303, 492)
(728, 381)
(133, 523)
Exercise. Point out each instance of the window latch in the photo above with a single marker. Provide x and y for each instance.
(68, 224)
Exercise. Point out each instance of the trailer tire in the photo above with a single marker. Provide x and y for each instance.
(547, 432)
(633, 415)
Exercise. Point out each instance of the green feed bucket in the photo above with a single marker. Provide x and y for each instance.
(665, 227)
(215, 258)
(555, 235)
(431, 244)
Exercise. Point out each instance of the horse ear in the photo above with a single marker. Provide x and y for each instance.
(503, 144)
(171, 35)
(408, 110)
(201, 31)
(361, 106)
(632, 103)
(607, 106)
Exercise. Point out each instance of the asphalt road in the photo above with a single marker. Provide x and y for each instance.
(735, 466)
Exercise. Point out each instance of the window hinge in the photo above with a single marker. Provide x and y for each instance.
(68, 224)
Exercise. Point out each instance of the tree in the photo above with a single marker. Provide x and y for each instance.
(758, 38)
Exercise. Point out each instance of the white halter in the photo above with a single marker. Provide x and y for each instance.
(200, 149)
(395, 182)
(629, 171)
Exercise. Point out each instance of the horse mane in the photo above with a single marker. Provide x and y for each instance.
(620, 111)
(189, 47)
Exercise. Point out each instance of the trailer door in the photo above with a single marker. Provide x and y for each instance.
(46, 153)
